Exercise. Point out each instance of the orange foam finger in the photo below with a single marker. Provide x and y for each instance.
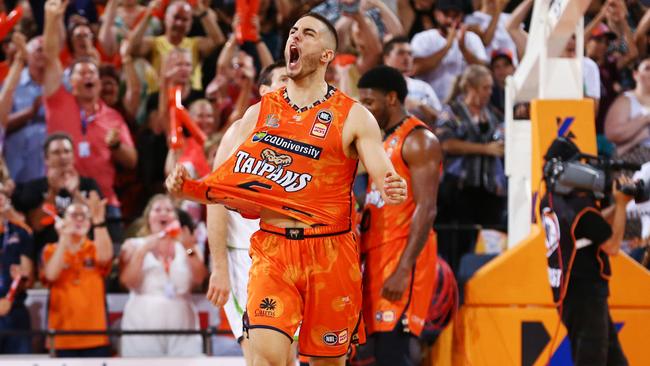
(9, 21)
(192, 127)
(175, 130)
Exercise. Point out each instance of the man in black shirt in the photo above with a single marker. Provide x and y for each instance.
(59, 188)
(579, 240)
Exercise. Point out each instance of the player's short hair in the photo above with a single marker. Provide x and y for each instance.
(265, 77)
(56, 136)
(328, 24)
(388, 46)
(386, 79)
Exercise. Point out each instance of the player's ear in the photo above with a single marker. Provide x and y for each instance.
(264, 89)
(327, 56)
(391, 97)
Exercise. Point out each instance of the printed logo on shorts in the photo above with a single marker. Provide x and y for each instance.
(336, 338)
(343, 336)
(330, 339)
(417, 320)
(322, 123)
(385, 316)
(272, 166)
(270, 307)
(388, 316)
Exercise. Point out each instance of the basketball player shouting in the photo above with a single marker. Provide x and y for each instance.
(294, 164)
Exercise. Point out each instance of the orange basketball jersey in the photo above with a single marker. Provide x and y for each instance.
(383, 223)
(293, 163)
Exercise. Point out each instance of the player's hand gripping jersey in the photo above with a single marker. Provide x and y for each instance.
(293, 163)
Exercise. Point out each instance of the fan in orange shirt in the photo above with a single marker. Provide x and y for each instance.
(293, 166)
(398, 241)
(74, 270)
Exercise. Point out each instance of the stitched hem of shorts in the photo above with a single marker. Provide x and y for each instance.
(271, 328)
(308, 355)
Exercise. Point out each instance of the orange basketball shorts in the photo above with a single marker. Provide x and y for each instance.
(309, 278)
(381, 315)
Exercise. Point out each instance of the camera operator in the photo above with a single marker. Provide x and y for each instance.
(580, 237)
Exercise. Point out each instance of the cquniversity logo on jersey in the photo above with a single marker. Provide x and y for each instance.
(272, 166)
(287, 144)
(259, 136)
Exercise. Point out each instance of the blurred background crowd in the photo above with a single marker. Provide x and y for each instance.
(84, 128)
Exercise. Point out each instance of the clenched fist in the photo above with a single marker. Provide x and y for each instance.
(175, 180)
(395, 190)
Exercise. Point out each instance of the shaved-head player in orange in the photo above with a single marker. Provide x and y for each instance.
(294, 164)
(398, 241)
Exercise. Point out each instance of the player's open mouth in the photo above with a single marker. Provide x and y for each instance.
(294, 55)
(89, 84)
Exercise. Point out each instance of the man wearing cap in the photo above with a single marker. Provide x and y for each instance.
(502, 66)
(443, 53)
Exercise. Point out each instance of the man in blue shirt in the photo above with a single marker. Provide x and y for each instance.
(25, 127)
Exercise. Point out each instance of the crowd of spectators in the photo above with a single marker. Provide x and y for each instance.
(85, 125)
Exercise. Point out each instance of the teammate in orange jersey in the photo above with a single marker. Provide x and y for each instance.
(294, 166)
(398, 241)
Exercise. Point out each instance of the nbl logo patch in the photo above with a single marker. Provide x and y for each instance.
(322, 123)
(336, 338)
(324, 116)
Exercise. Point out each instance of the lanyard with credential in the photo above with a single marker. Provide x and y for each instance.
(84, 146)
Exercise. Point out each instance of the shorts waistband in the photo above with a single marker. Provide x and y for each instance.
(304, 233)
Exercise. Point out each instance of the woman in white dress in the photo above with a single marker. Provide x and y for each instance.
(160, 269)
